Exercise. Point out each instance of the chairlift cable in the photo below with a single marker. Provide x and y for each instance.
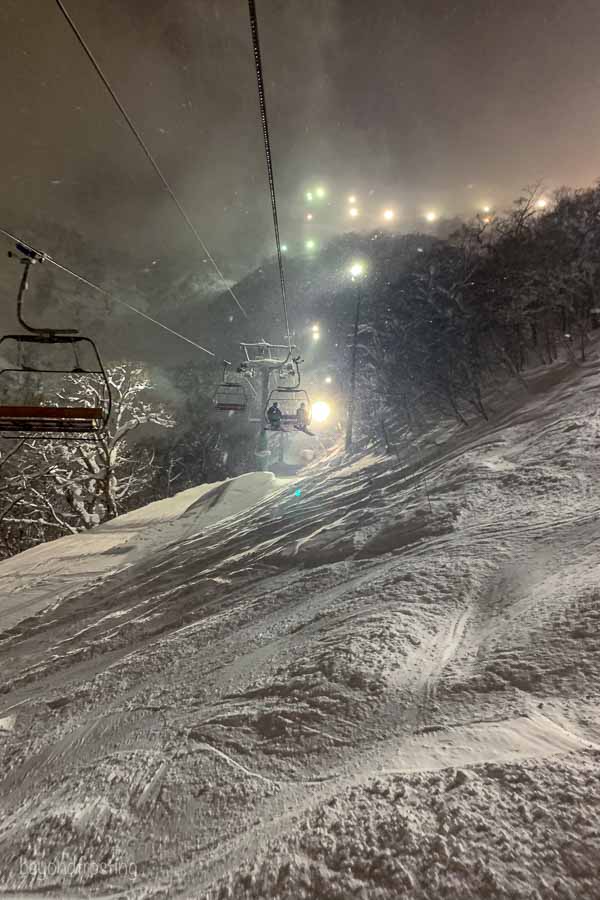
(146, 150)
(110, 296)
(267, 142)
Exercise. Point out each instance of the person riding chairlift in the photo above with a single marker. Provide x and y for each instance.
(302, 419)
(274, 416)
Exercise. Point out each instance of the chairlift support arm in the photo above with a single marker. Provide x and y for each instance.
(29, 257)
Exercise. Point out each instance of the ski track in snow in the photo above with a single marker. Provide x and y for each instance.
(249, 694)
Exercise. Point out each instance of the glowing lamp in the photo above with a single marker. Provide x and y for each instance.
(320, 411)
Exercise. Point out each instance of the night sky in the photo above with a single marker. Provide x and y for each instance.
(415, 104)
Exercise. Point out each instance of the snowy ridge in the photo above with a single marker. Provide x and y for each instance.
(386, 686)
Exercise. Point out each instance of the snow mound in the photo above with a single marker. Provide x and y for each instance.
(40, 576)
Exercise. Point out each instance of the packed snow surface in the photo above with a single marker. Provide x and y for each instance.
(378, 680)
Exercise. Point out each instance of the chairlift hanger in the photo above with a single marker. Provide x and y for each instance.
(49, 420)
(290, 370)
(264, 355)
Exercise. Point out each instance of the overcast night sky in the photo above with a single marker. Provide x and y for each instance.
(403, 102)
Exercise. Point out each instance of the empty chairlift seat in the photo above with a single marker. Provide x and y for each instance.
(51, 419)
(230, 397)
(50, 363)
(47, 414)
(230, 394)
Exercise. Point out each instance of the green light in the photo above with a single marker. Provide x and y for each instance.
(297, 492)
(309, 196)
(284, 248)
(310, 245)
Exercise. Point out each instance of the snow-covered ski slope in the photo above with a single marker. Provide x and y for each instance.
(385, 687)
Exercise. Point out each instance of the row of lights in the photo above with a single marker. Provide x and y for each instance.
(389, 215)
(319, 193)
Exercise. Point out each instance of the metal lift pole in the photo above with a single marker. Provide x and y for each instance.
(262, 438)
(350, 421)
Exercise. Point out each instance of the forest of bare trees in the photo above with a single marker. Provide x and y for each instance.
(501, 294)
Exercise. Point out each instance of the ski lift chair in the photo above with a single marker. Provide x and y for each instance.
(288, 401)
(48, 418)
(230, 396)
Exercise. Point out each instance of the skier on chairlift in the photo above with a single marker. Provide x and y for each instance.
(302, 419)
(274, 416)
(301, 416)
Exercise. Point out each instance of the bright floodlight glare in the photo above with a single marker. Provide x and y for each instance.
(284, 248)
(316, 335)
(542, 203)
(310, 245)
(320, 411)
(316, 327)
(309, 217)
(353, 212)
(309, 196)
(328, 380)
(320, 192)
(352, 199)
(487, 209)
(357, 269)
(388, 215)
(431, 216)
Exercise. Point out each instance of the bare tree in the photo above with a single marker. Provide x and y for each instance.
(26, 516)
(51, 488)
(98, 480)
